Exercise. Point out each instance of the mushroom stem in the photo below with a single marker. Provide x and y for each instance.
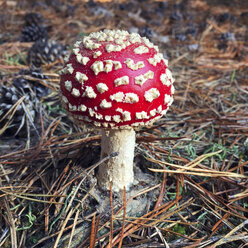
(117, 170)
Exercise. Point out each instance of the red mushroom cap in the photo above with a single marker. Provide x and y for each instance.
(114, 79)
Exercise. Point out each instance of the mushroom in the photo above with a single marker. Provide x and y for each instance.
(118, 82)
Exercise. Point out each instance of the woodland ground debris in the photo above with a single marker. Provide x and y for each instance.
(199, 151)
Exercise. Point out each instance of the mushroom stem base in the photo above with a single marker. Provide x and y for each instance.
(118, 170)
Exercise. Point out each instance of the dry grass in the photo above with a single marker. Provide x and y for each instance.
(198, 153)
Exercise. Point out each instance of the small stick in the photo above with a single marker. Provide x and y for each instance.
(92, 235)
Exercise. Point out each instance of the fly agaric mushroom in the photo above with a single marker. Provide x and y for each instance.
(116, 81)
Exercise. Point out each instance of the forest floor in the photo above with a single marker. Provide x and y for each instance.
(195, 158)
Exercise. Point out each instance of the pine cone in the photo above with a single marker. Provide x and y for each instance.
(33, 30)
(27, 85)
(45, 51)
(8, 97)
